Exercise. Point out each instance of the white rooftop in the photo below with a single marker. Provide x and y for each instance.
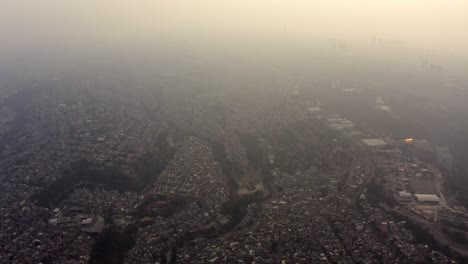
(404, 194)
(373, 142)
(427, 198)
(87, 221)
(314, 109)
(335, 119)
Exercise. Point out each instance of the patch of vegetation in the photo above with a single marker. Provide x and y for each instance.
(160, 205)
(457, 236)
(151, 164)
(376, 194)
(237, 207)
(113, 244)
(254, 151)
(423, 236)
(85, 172)
(227, 166)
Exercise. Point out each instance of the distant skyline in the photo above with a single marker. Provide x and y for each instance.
(429, 24)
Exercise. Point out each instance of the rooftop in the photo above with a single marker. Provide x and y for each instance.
(427, 198)
(373, 142)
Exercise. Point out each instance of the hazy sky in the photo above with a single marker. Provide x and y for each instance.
(431, 24)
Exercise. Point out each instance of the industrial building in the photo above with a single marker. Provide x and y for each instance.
(404, 196)
(338, 123)
(374, 142)
(427, 198)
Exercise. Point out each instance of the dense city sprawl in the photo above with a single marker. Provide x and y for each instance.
(100, 176)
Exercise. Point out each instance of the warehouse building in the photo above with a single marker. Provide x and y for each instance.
(374, 142)
(404, 196)
(427, 198)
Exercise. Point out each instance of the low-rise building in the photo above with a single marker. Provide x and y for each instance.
(374, 142)
(427, 198)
